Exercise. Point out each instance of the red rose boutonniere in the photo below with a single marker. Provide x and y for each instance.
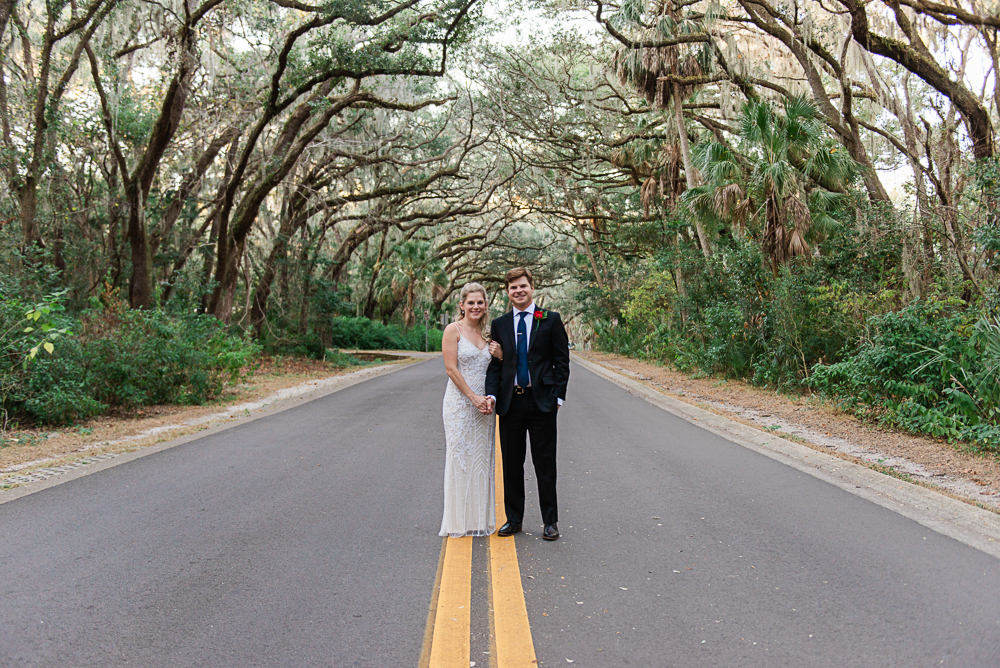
(540, 314)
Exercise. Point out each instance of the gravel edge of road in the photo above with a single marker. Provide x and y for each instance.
(280, 405)
(975, 527)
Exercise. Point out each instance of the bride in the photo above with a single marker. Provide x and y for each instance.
(469, 494)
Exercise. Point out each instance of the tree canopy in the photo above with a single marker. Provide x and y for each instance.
(276, 162)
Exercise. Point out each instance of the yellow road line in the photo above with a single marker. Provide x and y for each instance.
(447, 635)
(512, 633)
(450, 642)
(425, 651)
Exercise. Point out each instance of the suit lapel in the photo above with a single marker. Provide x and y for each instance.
(509, 318)
(535, 327)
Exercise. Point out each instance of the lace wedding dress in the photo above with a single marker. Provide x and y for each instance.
(469, 493)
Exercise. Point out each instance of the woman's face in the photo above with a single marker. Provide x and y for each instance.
(474, 306)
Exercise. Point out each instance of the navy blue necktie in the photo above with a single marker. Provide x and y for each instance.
(522, 351)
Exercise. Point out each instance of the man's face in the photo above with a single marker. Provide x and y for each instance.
(520, 292)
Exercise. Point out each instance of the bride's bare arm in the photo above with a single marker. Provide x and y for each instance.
(449, 347)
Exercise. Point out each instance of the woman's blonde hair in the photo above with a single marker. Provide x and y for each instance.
(468, 289)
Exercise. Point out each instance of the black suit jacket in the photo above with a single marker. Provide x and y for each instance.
(548, 361)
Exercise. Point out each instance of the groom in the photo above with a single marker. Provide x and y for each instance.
(528, 385)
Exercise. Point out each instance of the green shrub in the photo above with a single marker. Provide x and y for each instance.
(730, 346)
(309, 346)
(622, 339)
(365, 334)
(343, 359)
(147, 357)
(63, 403)
(930, 368)
(112, 357)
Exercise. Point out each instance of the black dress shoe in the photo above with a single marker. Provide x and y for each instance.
(509, 529)
(551, 532)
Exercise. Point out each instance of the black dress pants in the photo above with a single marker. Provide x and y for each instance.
(524, 419)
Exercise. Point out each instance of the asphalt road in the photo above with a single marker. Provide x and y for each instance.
(680, 548)
(309, 538)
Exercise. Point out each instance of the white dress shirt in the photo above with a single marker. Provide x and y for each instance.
(529, 323)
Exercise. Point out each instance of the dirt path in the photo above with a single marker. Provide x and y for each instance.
(43, 450)
(811, 421)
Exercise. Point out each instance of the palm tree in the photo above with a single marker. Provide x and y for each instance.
(786, 170)
(664, 75)
(415, 264)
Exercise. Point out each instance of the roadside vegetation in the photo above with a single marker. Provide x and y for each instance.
(801, 195)
(63, 368)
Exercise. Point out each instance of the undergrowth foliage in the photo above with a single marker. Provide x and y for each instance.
(364, 334)
(839, 325)
(930, 367)
(115, 357)
(353, 334)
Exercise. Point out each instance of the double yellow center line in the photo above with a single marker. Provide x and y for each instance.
(447, 639)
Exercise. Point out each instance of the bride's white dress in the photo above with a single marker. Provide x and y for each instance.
(469, 494)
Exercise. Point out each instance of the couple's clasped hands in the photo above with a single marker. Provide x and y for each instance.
(483, 404)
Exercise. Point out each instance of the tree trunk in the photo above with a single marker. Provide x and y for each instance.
(218, 225)
(6, 166)
(376, 270)
(188, 185)
(142, 177)
(206, 274)
(590, 254)
(29, 205)
(139, 182)
(227, 273)
(58, 246)
(140, 292)
(689, 171)
(345, 250)
(916, 58)
(307, 266)
(286, 152)
(46, 102)
(114, 224)
(5, 7)
(29, 188)
(258, 310)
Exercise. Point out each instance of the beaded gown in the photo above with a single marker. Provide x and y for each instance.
(469, 492)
